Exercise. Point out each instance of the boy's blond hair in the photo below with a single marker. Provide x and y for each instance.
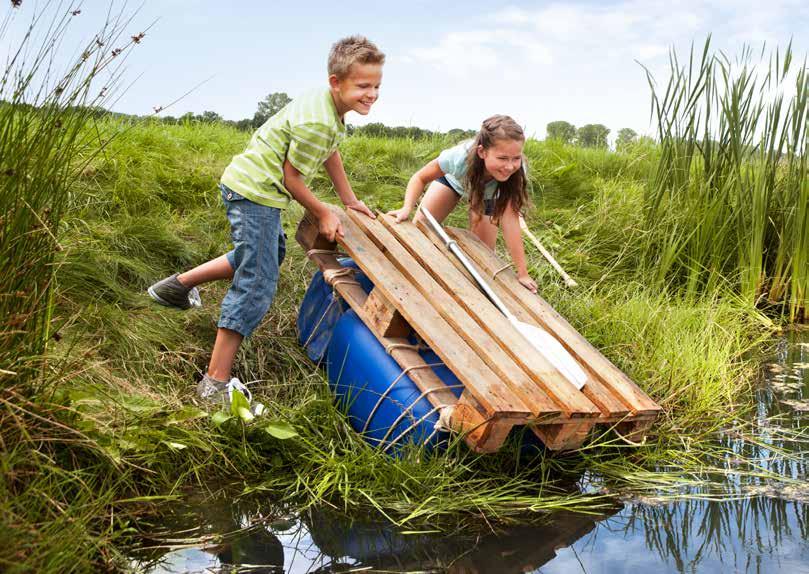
(352, 50)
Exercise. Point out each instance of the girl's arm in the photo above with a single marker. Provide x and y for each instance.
(415, 187)
(512, 235)
(337, 174)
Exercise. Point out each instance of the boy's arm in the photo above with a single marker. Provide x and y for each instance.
(512, 235)
(337, 173)
(415, 187)
(328, 223)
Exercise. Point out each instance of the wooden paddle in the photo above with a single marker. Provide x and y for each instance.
(545, 253)
(541, 340)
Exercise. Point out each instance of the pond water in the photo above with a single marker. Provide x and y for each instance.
(764, 530)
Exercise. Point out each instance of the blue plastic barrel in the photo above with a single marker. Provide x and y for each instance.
(382, 404)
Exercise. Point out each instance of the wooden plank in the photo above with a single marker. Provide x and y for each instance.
(459, 318)
(612, 378)
(606, 401)
(425, 379)
(567, 436)
(465, 416)
(308, 235)
(496, 398)
(435, 256)
(483, 434)
(387, 320)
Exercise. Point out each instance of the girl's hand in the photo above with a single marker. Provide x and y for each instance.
(401, 214)
(358, 205)
(528, 283)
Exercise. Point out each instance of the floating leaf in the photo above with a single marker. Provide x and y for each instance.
(280, 430)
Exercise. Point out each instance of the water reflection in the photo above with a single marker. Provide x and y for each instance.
(765, 533)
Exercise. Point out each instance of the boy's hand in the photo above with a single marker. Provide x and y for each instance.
(329, 226)
(358, 205)
(528, 283)
(401, 214)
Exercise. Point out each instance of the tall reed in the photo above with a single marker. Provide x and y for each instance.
(50, 496)
(728, 202)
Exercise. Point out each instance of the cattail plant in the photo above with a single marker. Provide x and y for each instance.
(728, 201)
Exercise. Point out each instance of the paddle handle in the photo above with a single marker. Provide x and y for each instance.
(453, 246)
(546, 254)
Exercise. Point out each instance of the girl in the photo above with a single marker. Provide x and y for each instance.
(491, 171)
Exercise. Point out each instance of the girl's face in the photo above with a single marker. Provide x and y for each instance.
(502, 158)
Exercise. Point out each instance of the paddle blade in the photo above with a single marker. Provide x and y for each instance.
(554, 352)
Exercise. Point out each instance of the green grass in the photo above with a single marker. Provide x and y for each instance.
(124, 368)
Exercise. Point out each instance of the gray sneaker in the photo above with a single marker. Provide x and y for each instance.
(212, 390)
(171, 293)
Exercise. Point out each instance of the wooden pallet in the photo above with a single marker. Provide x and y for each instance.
(420, 286)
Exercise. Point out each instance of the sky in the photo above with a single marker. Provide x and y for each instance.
(449, 64)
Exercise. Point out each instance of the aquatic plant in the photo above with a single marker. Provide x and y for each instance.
(728, 203)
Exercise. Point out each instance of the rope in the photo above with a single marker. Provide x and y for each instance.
(325, 252)
(407, 410)
(438, 426)
(392, 346)
(390, 386)
(503, 268)
(319, 321)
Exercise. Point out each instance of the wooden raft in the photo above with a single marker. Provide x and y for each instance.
(420, 286)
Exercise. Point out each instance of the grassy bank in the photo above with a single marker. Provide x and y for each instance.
(113, 411)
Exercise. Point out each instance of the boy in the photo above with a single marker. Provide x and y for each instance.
(277, 165)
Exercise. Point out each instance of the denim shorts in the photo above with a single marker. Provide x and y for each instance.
(488, 204)
(259, 247)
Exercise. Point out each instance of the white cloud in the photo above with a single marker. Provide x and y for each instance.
(579, 62)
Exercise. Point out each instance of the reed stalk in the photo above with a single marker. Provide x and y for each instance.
(727, 203)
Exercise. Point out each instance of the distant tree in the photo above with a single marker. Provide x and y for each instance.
(626, 137)
(270, 106)
(592, 135)
(187, 117)
(562, 131)
(374, 129)
(244, 125)
(457, 134)
(210, 117)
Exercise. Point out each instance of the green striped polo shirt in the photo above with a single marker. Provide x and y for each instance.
(306, 132)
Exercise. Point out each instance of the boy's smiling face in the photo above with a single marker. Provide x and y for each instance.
(358, 90)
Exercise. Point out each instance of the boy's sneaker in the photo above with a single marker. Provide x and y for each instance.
(212, 390)
(171, 293)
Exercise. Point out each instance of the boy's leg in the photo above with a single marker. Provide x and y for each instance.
(483, 228)
(224, 352)
(179, 290)
(439, 200)
(259, 247)
(212, 270)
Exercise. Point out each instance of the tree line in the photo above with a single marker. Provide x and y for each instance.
(274, 102)
(589, 135)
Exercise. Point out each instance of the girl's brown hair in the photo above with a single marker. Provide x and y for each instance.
(513, 190)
